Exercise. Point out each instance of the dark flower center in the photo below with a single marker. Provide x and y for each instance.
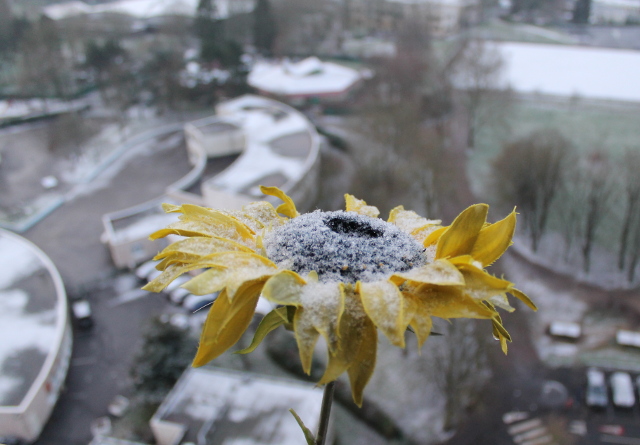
(343, 246)
(353, 227)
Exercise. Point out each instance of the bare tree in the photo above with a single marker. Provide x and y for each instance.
(596, 189)
(460, 366)
(474, 68)
(529, 172)
(631, 189)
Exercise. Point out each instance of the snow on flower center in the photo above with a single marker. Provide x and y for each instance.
(343, 246)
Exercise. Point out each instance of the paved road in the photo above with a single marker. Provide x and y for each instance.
(71, 237)
(71, 234)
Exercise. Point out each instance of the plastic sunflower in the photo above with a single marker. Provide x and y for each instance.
(341, 275)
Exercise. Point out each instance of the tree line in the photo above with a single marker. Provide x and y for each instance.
(586, 199)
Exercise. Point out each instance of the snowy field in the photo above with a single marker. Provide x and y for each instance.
(594, 73)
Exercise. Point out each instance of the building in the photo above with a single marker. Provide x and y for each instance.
(250, 141)
(209, 405)
(144, 9)
(442, 17)
(35, 329)
(307, 80)
(615, 12)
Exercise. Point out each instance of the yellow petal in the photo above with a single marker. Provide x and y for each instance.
(421, 322)
(461, 235)
(284, 288)
(217, 219)
(288, 208)
(208, 282)
(440, 272)
(271, 321)
(384, 304)
(191, 249)
(236, 268)
(450, 302)
(434, 236)
(306, 338)
(169, 274)
(323, 304)
(363, 364)
(264, 212)
(186, 228)
(523, 297)
(494, 239)
(226, 322)
(350, 328)
(359, 206)
(171, 208)
(421, 233)
(409, 221)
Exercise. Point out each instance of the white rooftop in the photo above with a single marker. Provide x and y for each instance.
(233, 408)
(310, 76)
(263, 122)
(30, 315)
(144, 9)
(595, 73)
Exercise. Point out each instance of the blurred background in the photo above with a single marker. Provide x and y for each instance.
(109, 108)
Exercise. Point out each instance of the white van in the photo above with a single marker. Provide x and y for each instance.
(622, 390)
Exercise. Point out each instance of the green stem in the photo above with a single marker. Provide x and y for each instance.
(325, 413)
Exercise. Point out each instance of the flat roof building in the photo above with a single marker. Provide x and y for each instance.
(35, 349)
(223, 407)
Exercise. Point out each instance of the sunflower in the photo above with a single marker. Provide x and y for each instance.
(342, 275)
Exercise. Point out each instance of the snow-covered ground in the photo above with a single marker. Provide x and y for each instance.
(595, 73)
(27, 326)
(307, 77)
(596, 346)
(15, 109)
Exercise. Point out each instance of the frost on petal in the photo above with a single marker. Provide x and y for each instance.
(461, 235)
(352, 324)
(323, 304)
(237, 267)
(433, 236)
(216, 218)
(226, 322)
(359, 206)
(440, 272)
(284, 288)
(420, 322)
(188, 228)
(384, 304)
(306, 338)
(288, 208)
(192, 249)
(264, 212)
(494, 239)
(409, 221)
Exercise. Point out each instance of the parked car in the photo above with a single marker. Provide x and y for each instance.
(622, 390)
(175, 284)
(81, 310)
(596, 396)
(193, 303)
(142, 272)
(178, 295)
